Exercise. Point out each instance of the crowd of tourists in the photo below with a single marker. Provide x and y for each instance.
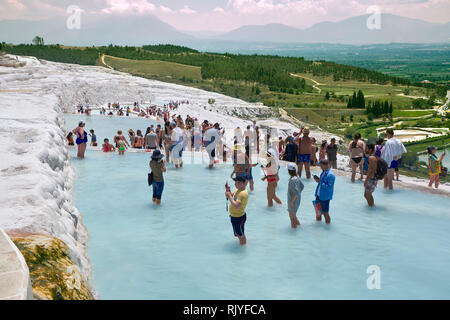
(375, 162)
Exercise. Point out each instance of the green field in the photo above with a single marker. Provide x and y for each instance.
(154, 68)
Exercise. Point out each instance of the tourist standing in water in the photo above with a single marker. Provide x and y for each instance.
(119, 137)
(323, 150)
(138, 140)
(434, 166)
(151, 140)
(177, 145)
(70, 139)
(271, 176)
(93, 138)
(295, 188)
(212, 136)
(107, 147)
(81, 140)
(314, 149)
(324, 190)
(121, 146)
(158, 166)
(392, 152)
(238, 200)
(356, 149)
(332, 153)
(305, 150)
(370, 184)
(167, 140)
(257, 135)
(290, 151)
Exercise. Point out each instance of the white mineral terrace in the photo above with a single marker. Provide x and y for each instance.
(14, 275)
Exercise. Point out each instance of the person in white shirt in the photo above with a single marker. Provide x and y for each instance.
(238, 135)
(392, 152)
(211, 139)
(177, 145)
(248, 137)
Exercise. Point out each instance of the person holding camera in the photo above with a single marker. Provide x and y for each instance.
(238, 200)
(324, 190)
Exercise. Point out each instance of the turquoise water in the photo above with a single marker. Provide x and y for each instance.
(185, 249)
(107, 126)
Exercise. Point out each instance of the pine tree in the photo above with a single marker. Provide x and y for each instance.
(361, 101)
(354, 100)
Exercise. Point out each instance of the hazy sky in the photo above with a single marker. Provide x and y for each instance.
(224, 15)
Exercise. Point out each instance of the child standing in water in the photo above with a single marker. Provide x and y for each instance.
(121, 146)
(93, 138)
(238, 200)
(294, 194)
(434, 166)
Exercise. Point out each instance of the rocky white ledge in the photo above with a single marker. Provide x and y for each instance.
(14, 274)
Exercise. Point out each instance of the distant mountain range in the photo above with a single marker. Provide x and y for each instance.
(350, 31)
(94, 30)
(140, 30)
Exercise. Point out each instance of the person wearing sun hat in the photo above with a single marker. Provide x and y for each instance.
(295, 188)
(271, 175)
(238, 200)
(158, 166)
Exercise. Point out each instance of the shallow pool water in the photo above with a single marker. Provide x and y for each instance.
(185, 249)
(107, 126)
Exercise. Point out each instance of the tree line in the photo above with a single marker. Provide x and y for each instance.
(273, 71)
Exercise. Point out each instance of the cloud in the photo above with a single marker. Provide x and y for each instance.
(187, 10)
(165, 9)
(218, 10)
(229, 14)
(129, 6)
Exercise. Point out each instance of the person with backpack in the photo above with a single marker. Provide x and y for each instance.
(290, 151)
(158, 166)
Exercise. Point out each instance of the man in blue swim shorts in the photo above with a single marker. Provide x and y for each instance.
(304, 152)
(324, 190)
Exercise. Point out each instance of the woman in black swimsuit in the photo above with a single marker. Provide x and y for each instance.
(356, 149)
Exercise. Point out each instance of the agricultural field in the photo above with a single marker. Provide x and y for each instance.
(149, 68)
